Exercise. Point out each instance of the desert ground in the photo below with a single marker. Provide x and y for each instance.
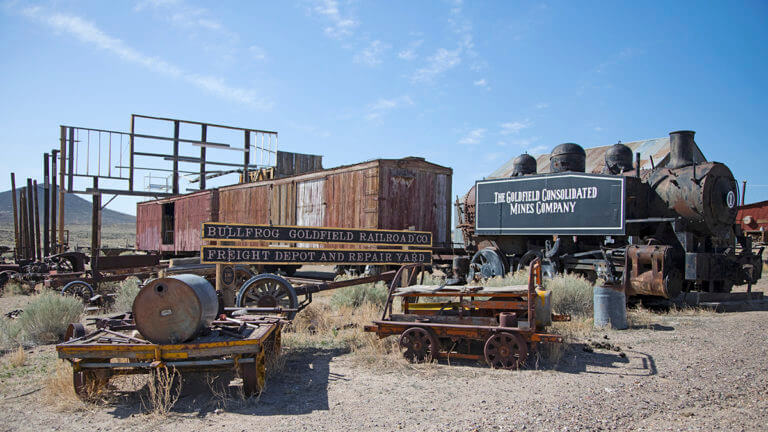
(676, 370)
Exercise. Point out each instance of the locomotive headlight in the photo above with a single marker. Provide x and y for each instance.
(747, 220)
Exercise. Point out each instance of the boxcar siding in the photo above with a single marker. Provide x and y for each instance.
(191, 212)
(148, 216)
(345, 199)
(282, 204)
(245, 205)
(310, 203)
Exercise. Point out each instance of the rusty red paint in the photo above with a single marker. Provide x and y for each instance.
(753, 218)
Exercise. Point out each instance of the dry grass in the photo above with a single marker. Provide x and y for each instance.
(10, 334)
(46, 317)
(163, 391)
(571, 294)
(358, 295)
(58, 390)
(17, 358)
(519, 277)
(15, 288)
(125, 292)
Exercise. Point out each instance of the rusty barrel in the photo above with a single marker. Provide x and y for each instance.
(175, 309)
(610, 307)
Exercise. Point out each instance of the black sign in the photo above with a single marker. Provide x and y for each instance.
(570, 204)
(294, 234)
(252, 255)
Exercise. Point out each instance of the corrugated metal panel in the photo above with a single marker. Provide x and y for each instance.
(148, 215)
(657, 147)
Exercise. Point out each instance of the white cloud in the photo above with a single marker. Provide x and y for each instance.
(340, 26)
(473, 137)
(257, 52)
(598, 129)
(481, 83)
(437, 64)
(382, 106)
(371, 55)
(514, 127)
(542, 105)
(184, 15)
(409, 53)
(537, 150)
(89, 33)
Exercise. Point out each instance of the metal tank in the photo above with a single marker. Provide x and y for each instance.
(522, 165)
(567, 157)
(618, 159)
(175, 309)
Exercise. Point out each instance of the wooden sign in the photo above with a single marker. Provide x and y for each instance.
(295, 234)
(268, 255)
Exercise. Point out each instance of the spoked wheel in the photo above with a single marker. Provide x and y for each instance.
(268, 290)
(486, 263)
(79, 289)
(74, 331)
(242, 274)
(419, 345)
(505, 351)
(254, 376)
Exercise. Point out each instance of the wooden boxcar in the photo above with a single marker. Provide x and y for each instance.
(378, 194)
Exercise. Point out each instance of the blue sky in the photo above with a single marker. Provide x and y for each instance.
(467, 85)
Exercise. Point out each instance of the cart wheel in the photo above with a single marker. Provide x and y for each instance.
(505, 350)
(254, 376)
(88, 384)
(268, 290)
(80, 289)
(487, 263)
(419, 345)
(242, 274)
(74, 331)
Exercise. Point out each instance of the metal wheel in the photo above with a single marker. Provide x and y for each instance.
(505, 350)
(419, 345)
(254, 376)
(486, 263)
(268, 290)
(242, 274)
(80, 289)
(74, 331)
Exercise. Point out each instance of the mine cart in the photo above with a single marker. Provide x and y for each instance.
(241, 345)
(502, 323)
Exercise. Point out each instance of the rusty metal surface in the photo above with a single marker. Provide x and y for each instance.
(190, 211)
(753, 219)
(657, 148)
(290, 164)
(649, 270)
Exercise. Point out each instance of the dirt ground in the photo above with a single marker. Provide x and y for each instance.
(677, 371)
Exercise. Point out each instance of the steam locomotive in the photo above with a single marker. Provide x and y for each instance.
(656, 232)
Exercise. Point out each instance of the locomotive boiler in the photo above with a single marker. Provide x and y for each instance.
(656, 232)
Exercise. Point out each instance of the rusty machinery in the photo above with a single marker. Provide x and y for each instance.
(657, 232)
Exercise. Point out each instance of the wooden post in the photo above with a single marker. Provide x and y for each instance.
(16, 232)
(246, 155)
(62, 194)
(175, 157)
(203, 138)
(71, 161)
(38, 252)
(95, 232)
(31, 219)
(24, 225)
(54, 192)
(46, 204)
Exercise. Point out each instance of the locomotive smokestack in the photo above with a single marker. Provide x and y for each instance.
(680, 148)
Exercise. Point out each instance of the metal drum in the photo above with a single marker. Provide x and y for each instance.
(175, 309)
(543, 307)
(610, 308)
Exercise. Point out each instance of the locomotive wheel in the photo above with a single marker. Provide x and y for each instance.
(486, 263)
(419, 345)
(79, 289)
(505, 350)
(268, 290)
(254, 376)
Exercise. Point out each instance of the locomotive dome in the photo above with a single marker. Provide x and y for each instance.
(618, 159)
(523, 165)
(568, 157)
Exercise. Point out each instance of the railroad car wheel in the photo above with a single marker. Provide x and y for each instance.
(487, 263)
(242, 274)
(505, 350)
(268, 290)
(419, 345)
(80, 289)
(254, 376)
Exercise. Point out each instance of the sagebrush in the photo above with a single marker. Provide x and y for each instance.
(125, 294)
(46, 317)
(571, 294)
(358, 295)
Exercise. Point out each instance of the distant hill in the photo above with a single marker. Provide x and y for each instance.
(77, 210)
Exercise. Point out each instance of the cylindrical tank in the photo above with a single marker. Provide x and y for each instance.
(543, 307)
(618, 159)
(175, 309)
(523, 165)
(567, 157)
(610, 308)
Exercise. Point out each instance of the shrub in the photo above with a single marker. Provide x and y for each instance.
(125, 293)
(46, 317)
(571, 294)
(358, 295)
(10, 334)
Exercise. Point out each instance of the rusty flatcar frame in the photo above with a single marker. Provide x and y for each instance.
(500, 303)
